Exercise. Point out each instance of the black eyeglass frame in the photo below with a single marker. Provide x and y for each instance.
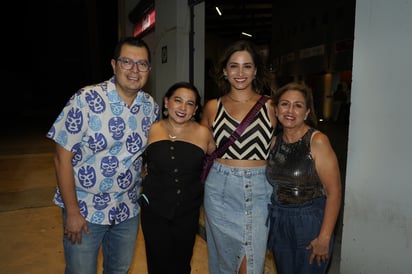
(142, 65)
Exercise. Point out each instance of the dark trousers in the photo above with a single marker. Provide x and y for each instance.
(169, 243)
(292, 228)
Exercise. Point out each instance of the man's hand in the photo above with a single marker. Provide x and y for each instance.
(74, 226)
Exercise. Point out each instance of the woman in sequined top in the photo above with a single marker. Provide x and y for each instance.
(304, 172)
(172, 191)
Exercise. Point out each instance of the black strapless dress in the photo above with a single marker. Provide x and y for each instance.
(172, 184)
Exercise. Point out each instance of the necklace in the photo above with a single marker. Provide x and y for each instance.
(170, 128)
(240, 101)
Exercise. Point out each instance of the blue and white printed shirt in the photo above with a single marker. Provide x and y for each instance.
(108, 137)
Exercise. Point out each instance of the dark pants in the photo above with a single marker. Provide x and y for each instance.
(169, 243)
(292, 228)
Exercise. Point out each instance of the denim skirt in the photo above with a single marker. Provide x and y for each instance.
(236, 208)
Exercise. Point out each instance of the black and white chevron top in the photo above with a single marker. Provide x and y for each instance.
(255, 141)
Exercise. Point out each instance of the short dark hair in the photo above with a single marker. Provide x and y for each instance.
(132, 41)
(307, 95)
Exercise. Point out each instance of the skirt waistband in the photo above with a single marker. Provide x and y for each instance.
(239, 171)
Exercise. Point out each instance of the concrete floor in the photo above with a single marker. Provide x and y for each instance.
(30, 224)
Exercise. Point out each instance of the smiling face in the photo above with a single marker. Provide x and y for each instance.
(132, 80)
(181, 105)
(240, 70)
(292, 110)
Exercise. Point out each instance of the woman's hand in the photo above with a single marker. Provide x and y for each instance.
(320, 250)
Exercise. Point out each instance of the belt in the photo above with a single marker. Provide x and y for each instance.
(287, 194)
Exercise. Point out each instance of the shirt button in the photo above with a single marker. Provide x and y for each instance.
(178, 191)
(176, 170)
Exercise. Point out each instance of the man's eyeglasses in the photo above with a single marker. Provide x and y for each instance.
(127, 63)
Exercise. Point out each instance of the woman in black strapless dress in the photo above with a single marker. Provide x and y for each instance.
(172, 191)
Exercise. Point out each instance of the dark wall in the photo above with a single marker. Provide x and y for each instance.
(54, 48)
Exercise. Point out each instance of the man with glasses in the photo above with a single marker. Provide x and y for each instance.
(100, 136)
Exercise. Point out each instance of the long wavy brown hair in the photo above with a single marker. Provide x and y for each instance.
(262, 83)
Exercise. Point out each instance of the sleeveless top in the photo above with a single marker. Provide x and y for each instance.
(292, 172)
(254, 144)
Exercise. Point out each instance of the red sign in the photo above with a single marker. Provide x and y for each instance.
(146, 23)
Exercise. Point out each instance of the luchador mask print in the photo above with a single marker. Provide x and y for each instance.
(97, 143)
(87, 176)
(109, 165)
(95, 101)
(146, 125)
(132, 194)
(125, 179)
(74, 121)
(117, 109)
(83, 208)
(78, 155)
(134, 143)
(122, 213)
(117, 127)
(97, 217)
(116, 148)
(106, 184)
(101, 200)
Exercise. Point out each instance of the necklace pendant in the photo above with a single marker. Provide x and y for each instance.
(172, 136)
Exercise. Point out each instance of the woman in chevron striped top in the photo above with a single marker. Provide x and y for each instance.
(237, 193)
